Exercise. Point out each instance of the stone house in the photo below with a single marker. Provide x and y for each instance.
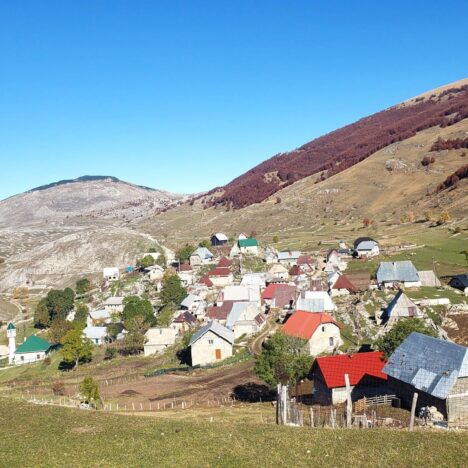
(158, 339)
(211, 343)
(114, 305)
(278, 272)
(319, 329)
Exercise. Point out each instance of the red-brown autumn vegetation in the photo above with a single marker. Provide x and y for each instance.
(341, 149)
(454, 143)
(454, 178)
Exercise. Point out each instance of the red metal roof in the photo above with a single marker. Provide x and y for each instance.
(224, 262)
(303, 324)
(185, 267)
(295, 270)
(206, 281)
(219, 312)
(343, 282)
(305, 260)
(357, 366)
(219, 271)
(316, 284)
(273, 290)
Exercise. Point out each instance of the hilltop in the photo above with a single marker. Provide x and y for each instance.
(343, 148)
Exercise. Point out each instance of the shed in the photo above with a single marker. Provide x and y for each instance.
(401, 306)
(437, 370)
(218, 239)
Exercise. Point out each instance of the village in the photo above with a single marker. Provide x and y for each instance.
(229, 297)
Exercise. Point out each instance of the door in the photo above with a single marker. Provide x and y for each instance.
(218, 353)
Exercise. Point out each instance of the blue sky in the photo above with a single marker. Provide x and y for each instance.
(187, 95)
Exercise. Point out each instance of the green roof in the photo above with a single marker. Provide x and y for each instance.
(33, 344)
(252, 242)
(10, 326)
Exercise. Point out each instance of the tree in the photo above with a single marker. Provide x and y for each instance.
(81, 314)
(172, 291)
(402, 329)
(444, 217)
(83, 285)
(205, 243)
(283, 359)
(164, 317)
(58, 329)
(275, 239)
(90, 390)
(76, 348)
(60, 302)
(145, 262)
(183, 254)
(41, 314)
(134, 306)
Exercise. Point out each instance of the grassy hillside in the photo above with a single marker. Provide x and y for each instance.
(386, 187)
(48, 436)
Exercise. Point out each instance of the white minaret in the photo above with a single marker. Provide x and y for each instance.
(11, 334)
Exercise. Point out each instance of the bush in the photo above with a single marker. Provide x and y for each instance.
(110, 353)
(58, 388)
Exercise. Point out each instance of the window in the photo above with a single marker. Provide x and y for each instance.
(323, 328)
(331, 341)
(38, 356)
(210, 342)
(22, 358)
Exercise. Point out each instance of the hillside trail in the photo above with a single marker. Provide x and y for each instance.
(256, 346)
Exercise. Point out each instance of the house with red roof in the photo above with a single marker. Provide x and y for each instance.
(225, 263)
(206, 281)
(365, 371)
(320, 330)
(219, 313)
(220, 276)
(279, 296)
(342, 287)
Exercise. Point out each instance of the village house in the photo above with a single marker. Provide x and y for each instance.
(460, 282)
(316, 301)
(342, 287)
(154, 272)
(392, 274)
(245, 319)
(401, 306)
(195, 305)
(315, 284)
(320, 330)
(158, 339)
(185, 274)
(184, 322)
(270, 255)
(219, 239)
(205, 281)
(33, 349)
(114, 305)
(201, 256)
(248, 246)
(238, 293)
(211, 343)
(278, 272)
(97, 335)
(279, 296)
(366, 247)
(435, 369)
(110, 273)
(98, 317)
(220, 276)
(224, 262)
(364, 370)
(255, 280)
(219, 313)
(334, 262)
(429, 278)
(307, 263)
(288, 257)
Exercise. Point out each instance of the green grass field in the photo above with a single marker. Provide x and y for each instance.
(50, 436)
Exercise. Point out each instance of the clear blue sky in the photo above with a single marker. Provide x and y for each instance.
(186, 95)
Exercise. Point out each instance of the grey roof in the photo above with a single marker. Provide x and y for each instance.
(289, 254)
(311, 305)
(402, 306)
(114, 300)
(429, 364)
(203, 253)
(217, 329)
(237, 309)
(189, 300)
(94, 333)
(429, 278)
(366, 245)
(363, 239)
(403, 271)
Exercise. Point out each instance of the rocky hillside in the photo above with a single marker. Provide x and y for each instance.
(51, 235)
(345, 147)
(106, 198)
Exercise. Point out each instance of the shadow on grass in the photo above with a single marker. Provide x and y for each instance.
(252, 392)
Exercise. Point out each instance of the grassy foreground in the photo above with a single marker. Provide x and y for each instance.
(49, 436)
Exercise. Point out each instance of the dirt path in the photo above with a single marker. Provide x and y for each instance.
(256, 346)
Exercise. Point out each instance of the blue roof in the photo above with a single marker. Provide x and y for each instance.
(203, 253)
(403, 271)
(429, 364)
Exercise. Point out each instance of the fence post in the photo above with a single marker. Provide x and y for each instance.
(413, 410)
(278, 403)
(349, 403)
(284, 406)
(311, 416)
